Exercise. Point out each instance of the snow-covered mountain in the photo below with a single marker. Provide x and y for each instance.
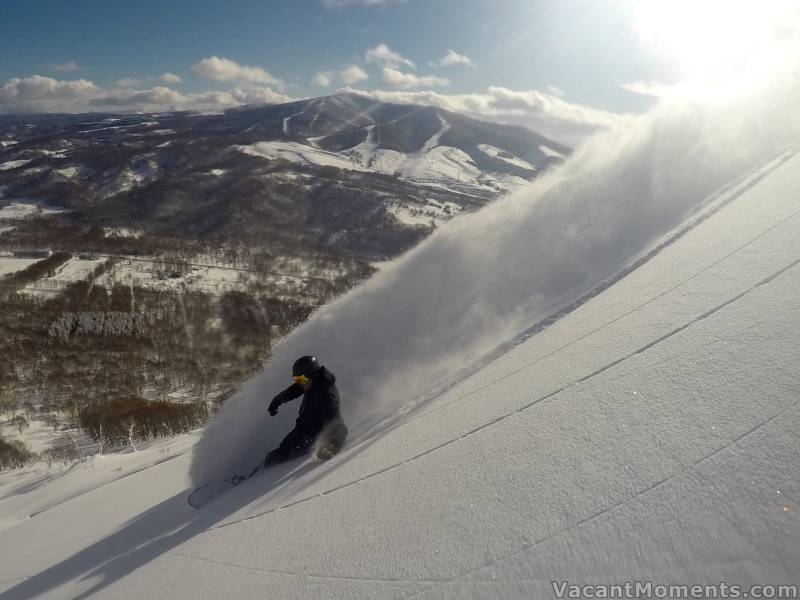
(360, 176)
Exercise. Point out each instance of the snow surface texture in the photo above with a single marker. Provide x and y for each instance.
(485, 277)
(650, 434)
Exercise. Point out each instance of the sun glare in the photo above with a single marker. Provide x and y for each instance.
(717, 39)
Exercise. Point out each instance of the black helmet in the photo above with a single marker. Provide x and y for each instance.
(305, 365)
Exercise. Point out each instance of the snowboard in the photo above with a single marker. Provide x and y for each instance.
(206, 493)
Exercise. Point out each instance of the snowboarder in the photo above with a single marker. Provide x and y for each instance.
(319, 421)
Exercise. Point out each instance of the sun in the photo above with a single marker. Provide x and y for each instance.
(716, 38)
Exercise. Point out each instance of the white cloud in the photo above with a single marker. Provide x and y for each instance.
(551, 116)
(260, 95)
(322, 79)
(67, 67)
(223, 69)
(37, 93)
(453, 58)
(352, 74)
(655, 89)
(347, 76)
(164, 98)
(551, 89)
(128, 82)
(409, 81)
(333, 4)
(169, 78)
(384, 56)
(45, 94)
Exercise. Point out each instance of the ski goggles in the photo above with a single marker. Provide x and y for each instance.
(301, 379)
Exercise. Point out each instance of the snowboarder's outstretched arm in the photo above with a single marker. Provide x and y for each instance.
(293, 391)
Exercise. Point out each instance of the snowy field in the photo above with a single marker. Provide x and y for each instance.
(16, 209)
(424, 214)
(13, 164)
(71, 271)
(10, 265)
(649, 434)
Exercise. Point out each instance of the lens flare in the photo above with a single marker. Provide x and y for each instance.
(718, 40)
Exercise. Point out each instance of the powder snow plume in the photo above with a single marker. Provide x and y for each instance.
(484, 277)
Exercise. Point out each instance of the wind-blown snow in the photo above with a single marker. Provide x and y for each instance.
(485, 277)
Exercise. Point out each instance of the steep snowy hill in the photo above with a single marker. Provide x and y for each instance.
(649, 434)
(592, 381)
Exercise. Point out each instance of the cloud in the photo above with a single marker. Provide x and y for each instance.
(223, 69)
(409, 81)
(259, 95)
(158, 95)
(384, 56)
(164, 98)
(169, 78)
(549, 115)
(322, 79)
(352, 74)
(654, 89)
(128, 82)
(37, 93)
(347, 76)
(551, 89)
(334, 4)
(45, 94)
(67, 67)
(453, 58)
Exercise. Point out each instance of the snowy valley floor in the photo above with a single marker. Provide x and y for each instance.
(651, 434)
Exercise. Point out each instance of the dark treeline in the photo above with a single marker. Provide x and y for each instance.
(126, 420)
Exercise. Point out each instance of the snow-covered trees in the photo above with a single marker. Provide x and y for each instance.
(14, 454)
(126, 421)
(108, 323)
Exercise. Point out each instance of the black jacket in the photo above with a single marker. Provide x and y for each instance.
(320, 403)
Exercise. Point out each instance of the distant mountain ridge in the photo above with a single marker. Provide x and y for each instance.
(343, 171)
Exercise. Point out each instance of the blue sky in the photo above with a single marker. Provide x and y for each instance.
(557, 57)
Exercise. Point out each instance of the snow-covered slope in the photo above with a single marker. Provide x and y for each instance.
(593, 381)
(648, 434)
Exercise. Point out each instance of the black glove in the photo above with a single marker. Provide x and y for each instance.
(276, 402)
